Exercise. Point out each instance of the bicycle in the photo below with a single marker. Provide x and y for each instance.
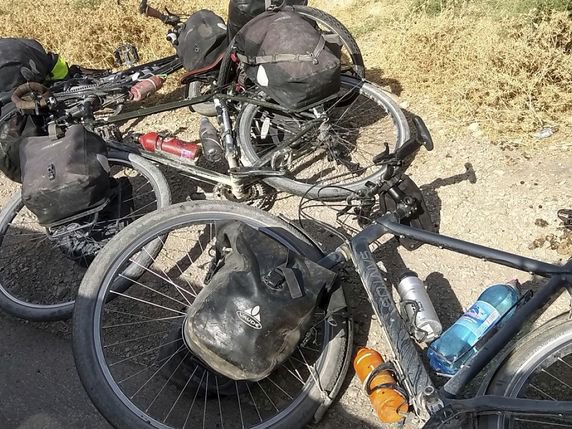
(139, 373)
(88, 99)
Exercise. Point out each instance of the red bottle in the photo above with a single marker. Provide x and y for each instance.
(146, 87)
(153, 142)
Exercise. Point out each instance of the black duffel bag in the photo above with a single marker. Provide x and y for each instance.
(242, 11)
(288, 58)
(66, 177)
(202, 40)
(256, 307)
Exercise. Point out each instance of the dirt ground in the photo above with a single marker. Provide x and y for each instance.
(497, 195)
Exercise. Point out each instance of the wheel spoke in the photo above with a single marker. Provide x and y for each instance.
(148, 320)
(239, 405)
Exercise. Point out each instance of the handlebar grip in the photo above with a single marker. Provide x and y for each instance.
(29, 106)
(154, 13)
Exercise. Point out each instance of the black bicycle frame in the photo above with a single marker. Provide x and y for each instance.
(425, 399)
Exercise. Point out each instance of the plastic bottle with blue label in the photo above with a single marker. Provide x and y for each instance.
(455, 346)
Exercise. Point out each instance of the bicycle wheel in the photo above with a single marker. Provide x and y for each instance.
(339, 150)
(540, 367)
(40, 271)
(130, 354)
(332, 29)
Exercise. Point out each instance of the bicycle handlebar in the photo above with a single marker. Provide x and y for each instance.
(151, 12)
(40, 92)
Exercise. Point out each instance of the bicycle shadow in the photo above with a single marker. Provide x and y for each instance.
(376, 75)
(431, 196)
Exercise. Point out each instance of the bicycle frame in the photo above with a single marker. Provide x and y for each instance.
(232, 180)
(440, 406)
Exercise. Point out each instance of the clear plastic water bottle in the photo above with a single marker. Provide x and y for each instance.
(455, 347)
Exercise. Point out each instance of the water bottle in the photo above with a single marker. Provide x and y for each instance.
(418, 308)
(212, 147)
(455, 347)
(386, 398)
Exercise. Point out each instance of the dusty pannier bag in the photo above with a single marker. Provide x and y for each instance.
(21, 61)
(256, 307)
(14, 128)
(288, 59)
(64, 177)
(202, 40)
(242, 11)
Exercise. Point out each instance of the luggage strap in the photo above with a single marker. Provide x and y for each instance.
(281, 274)
(279, 58)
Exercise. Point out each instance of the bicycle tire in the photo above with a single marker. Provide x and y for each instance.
(541, 347)
(18, 307)
(88, 313)
(194, 89)
(348, 41)
(332, 191)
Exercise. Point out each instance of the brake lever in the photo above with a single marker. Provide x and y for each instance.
(171, 18)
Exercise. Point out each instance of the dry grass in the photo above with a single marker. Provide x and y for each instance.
(507, 70)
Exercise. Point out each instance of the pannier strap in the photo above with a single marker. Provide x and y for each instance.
(279, 58)
(275, 278)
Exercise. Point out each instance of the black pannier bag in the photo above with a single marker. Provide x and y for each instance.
(242, 11)
(14, 128)
(21, 61)
(256, 307)
(65, 177)
(202, 41)
(288, 58)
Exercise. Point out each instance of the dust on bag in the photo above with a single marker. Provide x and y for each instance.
(256, 306)
(289, 59)
(242, 11)
(64, 177)
(202, 40)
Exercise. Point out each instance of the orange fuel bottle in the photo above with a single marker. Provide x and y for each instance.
(389, 404)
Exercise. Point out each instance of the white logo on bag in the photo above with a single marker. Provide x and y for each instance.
(261, 76)
(251, 317)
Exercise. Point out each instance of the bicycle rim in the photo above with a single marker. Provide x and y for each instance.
(543, 372)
